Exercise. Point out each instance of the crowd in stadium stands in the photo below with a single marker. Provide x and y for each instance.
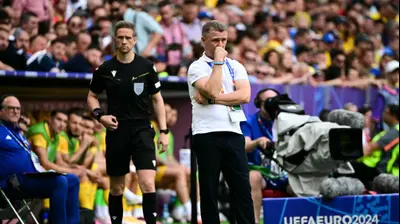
(347, 43)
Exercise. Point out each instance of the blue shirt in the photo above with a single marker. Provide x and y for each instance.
(15, 159)
(254, 128)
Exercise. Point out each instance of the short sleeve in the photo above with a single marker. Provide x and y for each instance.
(149, 23)
(246, 129)
(63, 145)
(38, 141)
(390, 139)
(240, 71)
(195, 72)
(97, 85)
(154, 82)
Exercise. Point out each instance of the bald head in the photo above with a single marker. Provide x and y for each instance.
(10, 109)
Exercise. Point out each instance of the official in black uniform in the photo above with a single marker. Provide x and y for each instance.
(131, 83)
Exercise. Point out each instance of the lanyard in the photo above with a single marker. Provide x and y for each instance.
(21, 141)
(231, 71)
(25, 145)
(263, 129)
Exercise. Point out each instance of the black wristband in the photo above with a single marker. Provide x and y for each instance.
(97, 113)
(210, 101)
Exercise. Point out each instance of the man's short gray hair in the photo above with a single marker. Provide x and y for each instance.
(213, 25)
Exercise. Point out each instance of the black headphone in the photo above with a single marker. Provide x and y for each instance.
(3, 97)
(257, 100)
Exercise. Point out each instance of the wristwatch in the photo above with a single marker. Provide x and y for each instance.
(165, 131)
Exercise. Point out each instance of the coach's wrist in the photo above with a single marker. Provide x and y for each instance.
(211, 101)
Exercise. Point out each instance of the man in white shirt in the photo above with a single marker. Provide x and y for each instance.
(218, 86)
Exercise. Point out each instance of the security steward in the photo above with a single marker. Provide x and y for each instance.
(131, 84)
(381, 155)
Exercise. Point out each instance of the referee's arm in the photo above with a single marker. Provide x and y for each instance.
(97, 85)
(157, 100)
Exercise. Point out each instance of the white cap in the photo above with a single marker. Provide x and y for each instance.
(392, 66)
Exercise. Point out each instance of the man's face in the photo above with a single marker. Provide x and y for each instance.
(58, 51)
(61, 30)
(190, 12)
(214, 39)
(387, 117)
(3, 40)
(84, 40)
(166, 13)
(88, 126)
(32, 25)
(94, 57)
(71, 49)
(340, 61)
(125, 40)
(58, 123)
(105, 27)
(263, 97)
(74, 125)
(38, 44)
(22, 42)
(10, 110)
(394, 76)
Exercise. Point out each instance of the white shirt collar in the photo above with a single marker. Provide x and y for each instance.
(206, 58)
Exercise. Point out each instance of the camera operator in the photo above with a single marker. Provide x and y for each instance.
(257, 131)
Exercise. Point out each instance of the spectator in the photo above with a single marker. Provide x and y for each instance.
(368, 124)
(60, 7)
(60, 28)
(389, 94)
(74, 25)
(10, 59)
(43, 9)
(174, 44)
(70, 48)
(30, 23)
(148, 31)
(37, 43)
(85, 62)
(5, 20)
(83, 41)
(192, 24)
(21, 43)
(50, 60)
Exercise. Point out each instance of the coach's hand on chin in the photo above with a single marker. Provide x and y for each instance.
(109, 121)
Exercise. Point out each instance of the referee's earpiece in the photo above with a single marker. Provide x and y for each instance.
(257, 100)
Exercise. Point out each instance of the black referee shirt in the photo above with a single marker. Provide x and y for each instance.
(128, 87)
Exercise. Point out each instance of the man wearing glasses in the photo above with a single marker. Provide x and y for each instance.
(19, 169)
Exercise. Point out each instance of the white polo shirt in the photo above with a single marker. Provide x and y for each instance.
(215, 117)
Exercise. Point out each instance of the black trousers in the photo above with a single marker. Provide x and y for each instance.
(223, 151)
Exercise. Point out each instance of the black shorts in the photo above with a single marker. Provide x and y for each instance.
(130, 141)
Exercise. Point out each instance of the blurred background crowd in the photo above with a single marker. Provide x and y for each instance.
(317, 42)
